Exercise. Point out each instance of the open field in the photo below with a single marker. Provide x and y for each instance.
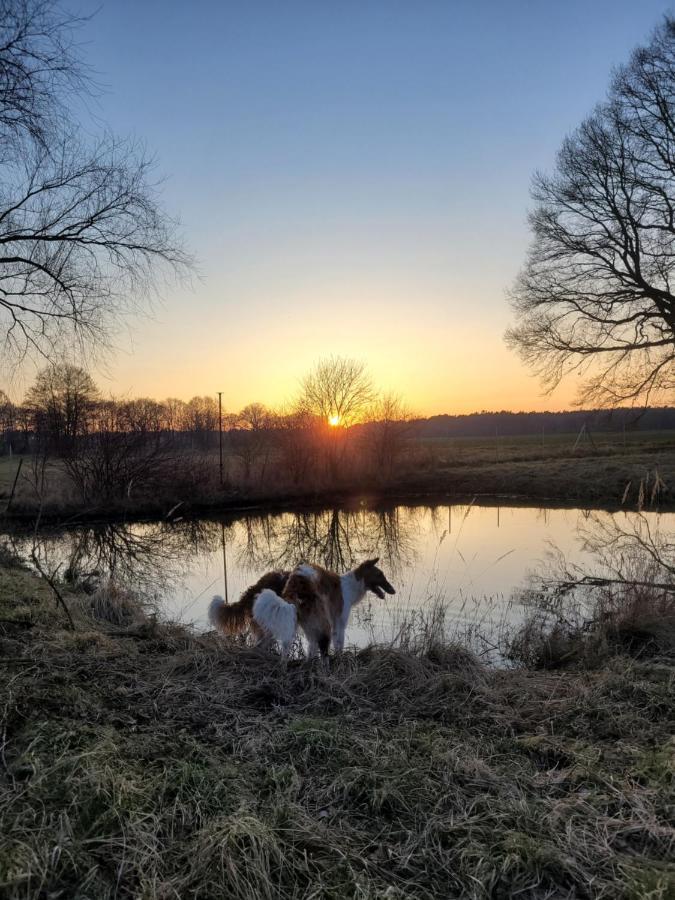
(604, 474)
(607, 472)
(8, 466)
(139, 760)
(502, 448)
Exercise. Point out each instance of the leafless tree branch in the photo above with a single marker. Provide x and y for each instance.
(83, 236)
(596, 292)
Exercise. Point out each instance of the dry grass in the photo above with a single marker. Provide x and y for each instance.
(637, 621)
(118, 606)
(512, 448)
(605, 473)
(165, 765)
(628, 606)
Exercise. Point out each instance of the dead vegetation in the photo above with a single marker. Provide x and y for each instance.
(142, 760)
(298, 464)
(636, 619)
(627, 605)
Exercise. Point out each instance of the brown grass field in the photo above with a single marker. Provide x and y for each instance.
(611, 471)
(142, 760)
(606, 472)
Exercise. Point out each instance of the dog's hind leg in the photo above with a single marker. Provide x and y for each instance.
(324, 644)
(264, 642)
(317, 642)
(286, 648)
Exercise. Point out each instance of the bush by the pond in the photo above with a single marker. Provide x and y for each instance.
(142, 760)
(635, 619)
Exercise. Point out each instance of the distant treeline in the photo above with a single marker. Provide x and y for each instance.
(489, 424)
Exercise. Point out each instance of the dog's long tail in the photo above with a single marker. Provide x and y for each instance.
(276, 617)
(230, 619)
(236, 617)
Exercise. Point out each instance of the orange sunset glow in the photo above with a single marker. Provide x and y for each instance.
(434, 370)
(326, 214)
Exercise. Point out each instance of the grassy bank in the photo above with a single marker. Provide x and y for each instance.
(519, 469)
(140, 760)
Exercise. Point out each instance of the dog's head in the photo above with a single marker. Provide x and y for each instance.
(374, 578)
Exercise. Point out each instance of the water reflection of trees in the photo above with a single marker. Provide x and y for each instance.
(622, 552)
(630, 547)
(337, 539)
(154, 557)
(148, 557)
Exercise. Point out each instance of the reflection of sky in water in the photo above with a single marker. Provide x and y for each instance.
(474, 557)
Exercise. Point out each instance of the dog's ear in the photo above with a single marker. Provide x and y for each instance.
(363, 568)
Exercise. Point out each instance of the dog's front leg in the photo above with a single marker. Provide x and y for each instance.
(312, 648)
(339, 637)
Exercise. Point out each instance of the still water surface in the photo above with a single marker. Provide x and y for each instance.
(473, 557)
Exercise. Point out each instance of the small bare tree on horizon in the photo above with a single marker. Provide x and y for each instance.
(83, 236)
(390, 423)
(61, 401)
(596, 295)
(249, 437)
(338, 390)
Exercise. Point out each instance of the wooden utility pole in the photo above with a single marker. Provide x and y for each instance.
(222, 527)
(220, 433)
(16, 478)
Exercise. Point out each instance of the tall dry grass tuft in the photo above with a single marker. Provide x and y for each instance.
(638, 619)
(117, 605)
(628, 604)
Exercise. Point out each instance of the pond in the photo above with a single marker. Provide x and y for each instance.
(471, 561)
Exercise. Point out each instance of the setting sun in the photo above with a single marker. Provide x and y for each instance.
(334, 420)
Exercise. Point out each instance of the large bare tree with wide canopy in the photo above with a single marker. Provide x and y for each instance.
(83, 237)
(597, 292)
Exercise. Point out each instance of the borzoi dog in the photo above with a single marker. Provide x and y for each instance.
(311, 597)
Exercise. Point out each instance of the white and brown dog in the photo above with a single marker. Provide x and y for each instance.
(310, 596)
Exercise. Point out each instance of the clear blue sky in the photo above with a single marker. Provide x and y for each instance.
(353, 177)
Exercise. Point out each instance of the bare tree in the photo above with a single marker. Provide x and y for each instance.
(298, 445)
(39, 69)
(338, 391)
(596, 294)
(82, 234)
(62, 400)
(173, 415)
(250, 436)
(144, 416)
(201, 420)
(389, 424)
(116, 458)
(7, 419)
